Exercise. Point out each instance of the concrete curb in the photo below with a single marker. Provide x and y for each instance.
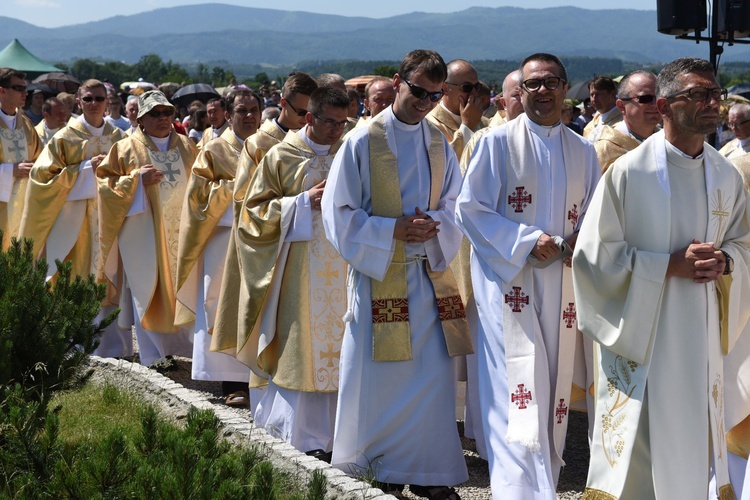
(236, 427)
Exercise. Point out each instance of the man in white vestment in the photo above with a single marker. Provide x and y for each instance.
(206, 222)
(603, 94)
(53, 119)
(292, 324)
(388, 210)
(738, 120)
(661, 282)
(527, 188)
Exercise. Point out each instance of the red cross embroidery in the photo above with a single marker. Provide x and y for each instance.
(561, 411)
(569, 315)
(390, 310)
(517, 299)
(521, 397)
(573, 216)
(520, 199)
(450, 308)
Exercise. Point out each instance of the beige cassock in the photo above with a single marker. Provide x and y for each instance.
(611, 145)
(45, 133)
(16, 145)
(61, 228)
(292, 294)
(446, 123)
(143, 246)
(208, 135)
(614, 118)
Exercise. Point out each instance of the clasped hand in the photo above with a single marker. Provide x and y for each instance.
(416, 228)
(701, 262)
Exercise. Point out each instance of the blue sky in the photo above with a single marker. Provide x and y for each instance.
(53, 13)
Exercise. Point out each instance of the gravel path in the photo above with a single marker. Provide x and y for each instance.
(572, 479)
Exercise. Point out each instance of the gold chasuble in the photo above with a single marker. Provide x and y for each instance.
(293, 294)
(611, 145)
(390, 305)
(209, 195)
(16, 145)
(146, 242)
(226, 323)
(208, 134)
(441, 118)
(69, 229)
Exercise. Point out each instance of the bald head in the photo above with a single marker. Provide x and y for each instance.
(460, 74)
(511, 99)
(738, 120)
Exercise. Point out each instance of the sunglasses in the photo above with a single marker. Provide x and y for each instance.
(91, 98)
(467, 87)
(300, 112)
(640, 99)
(421, 93)
(18, 88)
(155, 113)
(331, 123)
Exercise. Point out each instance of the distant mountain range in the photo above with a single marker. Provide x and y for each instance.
(242, 35)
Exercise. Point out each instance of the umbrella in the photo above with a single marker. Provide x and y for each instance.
(359, 82)
(195, 91)
(46, 89)
(742, 89)
(579, 91)
(62, 82)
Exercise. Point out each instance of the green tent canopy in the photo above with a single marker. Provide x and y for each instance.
(16, 56)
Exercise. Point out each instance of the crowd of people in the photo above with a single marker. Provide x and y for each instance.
(338, 265)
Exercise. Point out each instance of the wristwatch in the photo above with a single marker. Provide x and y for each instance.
(729, 267)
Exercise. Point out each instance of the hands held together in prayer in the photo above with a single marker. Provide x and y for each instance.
(416, 228)
(701, 262)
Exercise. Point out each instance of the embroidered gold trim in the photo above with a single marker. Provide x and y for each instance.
(592, 494)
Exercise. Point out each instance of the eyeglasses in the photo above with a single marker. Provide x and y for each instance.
(329, 122)
(467, 87)
(300, 112)
(155, 113)
(550, 83)
(701, 94)
(421, 93)
(737, 125)
(91, 98)
(18, 88)
(640, 99)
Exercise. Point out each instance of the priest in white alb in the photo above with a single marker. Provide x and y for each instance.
(528, 185)
(661, 277)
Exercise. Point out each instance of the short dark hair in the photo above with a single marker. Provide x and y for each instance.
(6, 75)
(48, 103)
(428, 62)
(624, 88)
(298, 83)
(327, 96)
(330, 80)
(545, 57)
(232, 99)
(603, 83)
(667, 82)
(220, 100)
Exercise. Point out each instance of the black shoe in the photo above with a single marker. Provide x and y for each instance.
(320, 455)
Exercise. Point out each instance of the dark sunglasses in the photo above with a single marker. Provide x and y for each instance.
(300, 112)
(91, 98)
(467, 87)
(421, 93)
(640, 99)
(18, 88)
(155, 113)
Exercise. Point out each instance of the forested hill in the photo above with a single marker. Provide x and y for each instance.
(243, 35)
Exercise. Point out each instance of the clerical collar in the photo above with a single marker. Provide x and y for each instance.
(3, 113)
(605, 116)
(456, 118)
(622, 127)
(95, 131)
(282, 127)
(744, 142)
(240, 139)
(406, 127)
(318, 149)
(161, 143)
(543, 131)
(10, 120)
(671, 147)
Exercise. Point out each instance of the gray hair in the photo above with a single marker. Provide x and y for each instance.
(742, 109)
(668, 81)
(626, 88)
